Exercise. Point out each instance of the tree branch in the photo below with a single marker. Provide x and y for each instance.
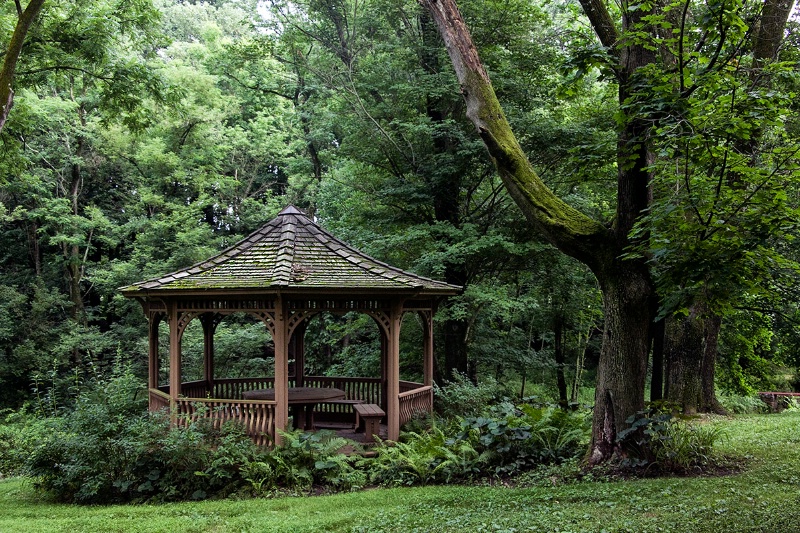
(601, 22)
(24, 23)
(568, 229)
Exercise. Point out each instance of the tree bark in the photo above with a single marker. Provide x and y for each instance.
(684, 352)
(627, 288)
(26, 19)
(708, 395)
(691, 349)
(657, 379)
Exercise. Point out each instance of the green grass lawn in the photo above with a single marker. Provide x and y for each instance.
(765, 497)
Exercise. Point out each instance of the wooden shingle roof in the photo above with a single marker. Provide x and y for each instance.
(291, 253)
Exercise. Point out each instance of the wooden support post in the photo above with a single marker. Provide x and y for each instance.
(298, 342)
(152, 359)
(384, 359)
(207, 320)
(427, 349)
(393, 372)
(281, 340)
(174, 356)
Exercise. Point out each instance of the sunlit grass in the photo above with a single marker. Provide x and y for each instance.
(765, 497)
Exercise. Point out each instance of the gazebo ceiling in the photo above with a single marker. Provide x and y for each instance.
(291, 254)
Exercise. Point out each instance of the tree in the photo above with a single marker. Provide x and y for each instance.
(24, 21)
(630, 52)
(628, 290)
(719, 208)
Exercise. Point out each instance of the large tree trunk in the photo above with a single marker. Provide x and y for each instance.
(622, 370)
(691, 349)
(657, 379)
(708, 395)
(683, 345)
(627, 288)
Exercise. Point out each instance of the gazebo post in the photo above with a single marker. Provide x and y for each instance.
(207, 320)
(152, 350)
(174, 354)
(393, 372)
(299, 349)
(281, 340)
(427, 349)
(384, 360)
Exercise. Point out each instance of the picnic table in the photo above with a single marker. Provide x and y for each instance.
(303, 400)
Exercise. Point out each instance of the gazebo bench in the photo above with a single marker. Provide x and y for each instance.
(371, 414)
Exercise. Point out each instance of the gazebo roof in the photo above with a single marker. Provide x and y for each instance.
(291, 254)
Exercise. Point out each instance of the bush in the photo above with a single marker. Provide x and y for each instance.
(516, 438)
(661, 443)
(505, 441)
(741, 405)
(110, 449)
(461, 397)
(423, 458)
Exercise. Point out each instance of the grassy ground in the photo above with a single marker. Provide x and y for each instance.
(763, 498)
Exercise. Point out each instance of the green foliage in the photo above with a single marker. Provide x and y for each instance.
(316, 458)
(108, 448)
(512, 439)
(742, 404)
(761, 496)
(506, 441)
(658, 442)
(424, 458)
(461, 397)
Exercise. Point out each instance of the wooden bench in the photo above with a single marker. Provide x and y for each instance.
(371, 414)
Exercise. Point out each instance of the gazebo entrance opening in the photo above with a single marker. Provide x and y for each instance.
(284, 275)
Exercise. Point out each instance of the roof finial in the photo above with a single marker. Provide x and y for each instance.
(291, 210)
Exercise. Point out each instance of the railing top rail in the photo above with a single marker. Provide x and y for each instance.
(415, 391)
(159, 393)
(224, 400)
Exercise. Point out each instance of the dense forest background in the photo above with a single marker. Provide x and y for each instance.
(147, 135)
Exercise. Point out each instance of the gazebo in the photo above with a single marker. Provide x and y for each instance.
(283, 274)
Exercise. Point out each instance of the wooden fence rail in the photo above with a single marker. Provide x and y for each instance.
(415, 402)
(257, 416)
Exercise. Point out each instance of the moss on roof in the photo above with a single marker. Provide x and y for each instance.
(291, 252)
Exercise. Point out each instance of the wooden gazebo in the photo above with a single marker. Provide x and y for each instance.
(284, 273)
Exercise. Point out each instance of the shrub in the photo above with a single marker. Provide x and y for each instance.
(741, 405)
(505, 441)
(110, 449)
(423, 458)
(661, 442)
(461, 397)
(315, 458)
(515, 438)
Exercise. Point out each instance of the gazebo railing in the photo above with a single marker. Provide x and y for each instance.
(415, 402)
(233, 388)
(194, 389)
(257, 416)
(159, 399)
(224, 402)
